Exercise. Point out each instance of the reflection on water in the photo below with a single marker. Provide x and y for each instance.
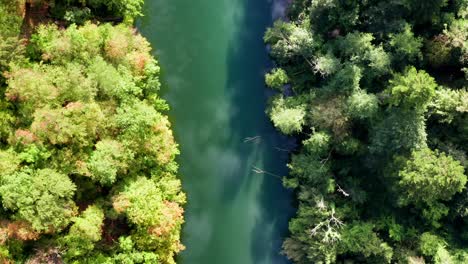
(214, 59)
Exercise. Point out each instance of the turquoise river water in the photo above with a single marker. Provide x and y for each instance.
(213, 60)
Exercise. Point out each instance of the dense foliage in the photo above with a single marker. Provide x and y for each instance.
(78, 11)
(376, 91)
(87, 170)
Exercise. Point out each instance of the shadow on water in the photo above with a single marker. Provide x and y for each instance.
(246, 69)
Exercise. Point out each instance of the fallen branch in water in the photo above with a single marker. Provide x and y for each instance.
(260, 171)
(249, 139)
(282, 149)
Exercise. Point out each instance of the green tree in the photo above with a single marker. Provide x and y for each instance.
(406, 46)
(158, 220)
(449, 104)
(330, 114)
(311, 170)
(359, 238)
(430, 243)
(107, 161)
(11, 48)
(429, 176)
(372, 110)
(276, 79)
(424, 11)
(9, 162)
(347, 79)
(288, 119)
(289, 40)
(130, 9)
(85, 231)
(362, 105)
(326, 65)
(77, 123)
(412, 90)
(30, 196)
(318, 143)
(457, 36)
(32, 88)
(79, 119)
(358, 48)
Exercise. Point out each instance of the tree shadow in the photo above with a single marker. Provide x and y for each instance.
(248, 61)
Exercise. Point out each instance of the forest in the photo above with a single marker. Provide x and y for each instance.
(87, 154)
(376, 92)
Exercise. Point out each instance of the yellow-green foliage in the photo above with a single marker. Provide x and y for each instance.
(86, 158)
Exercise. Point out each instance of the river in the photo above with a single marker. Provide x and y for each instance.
(213, 61)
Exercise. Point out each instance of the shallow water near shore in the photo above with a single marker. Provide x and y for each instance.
(213, 60)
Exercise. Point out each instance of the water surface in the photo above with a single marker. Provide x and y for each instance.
(213, 61)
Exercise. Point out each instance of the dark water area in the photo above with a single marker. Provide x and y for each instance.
(213, 61)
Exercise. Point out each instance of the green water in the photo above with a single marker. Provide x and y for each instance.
(214, 59)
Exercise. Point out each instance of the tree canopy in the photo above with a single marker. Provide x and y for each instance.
(377, 99)
(87, 169)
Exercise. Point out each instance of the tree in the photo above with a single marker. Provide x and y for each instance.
(359, 49)
(107, 161)
(158, 220)
(130, 9)
(315, 233)
(67, 78)
(313, 171)
(443, 256)
(288, 119)
(30, 196)
(329, 15)
(11, 48)
(346, 80)
(49, 85)
(318, 143)
(457, 36)
(430, 176)
(406, 46)
(359, 238)
(84, 233)
(276, 79)
(429, 244)
(412, 90)
(142, 202)
(112, 83)
(77, 123)
(146, 132)
(32, 88)
(330, 114)
(289, 40)
(448, 104)
(424, 11)
(326, 65)
(355, 45)
(362, 105)
(79, 119)
(438, 51)
(9, 162)
(370, 91)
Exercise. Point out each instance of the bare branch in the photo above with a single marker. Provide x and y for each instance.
(261, 171)
(249, 139)
(342, 191)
